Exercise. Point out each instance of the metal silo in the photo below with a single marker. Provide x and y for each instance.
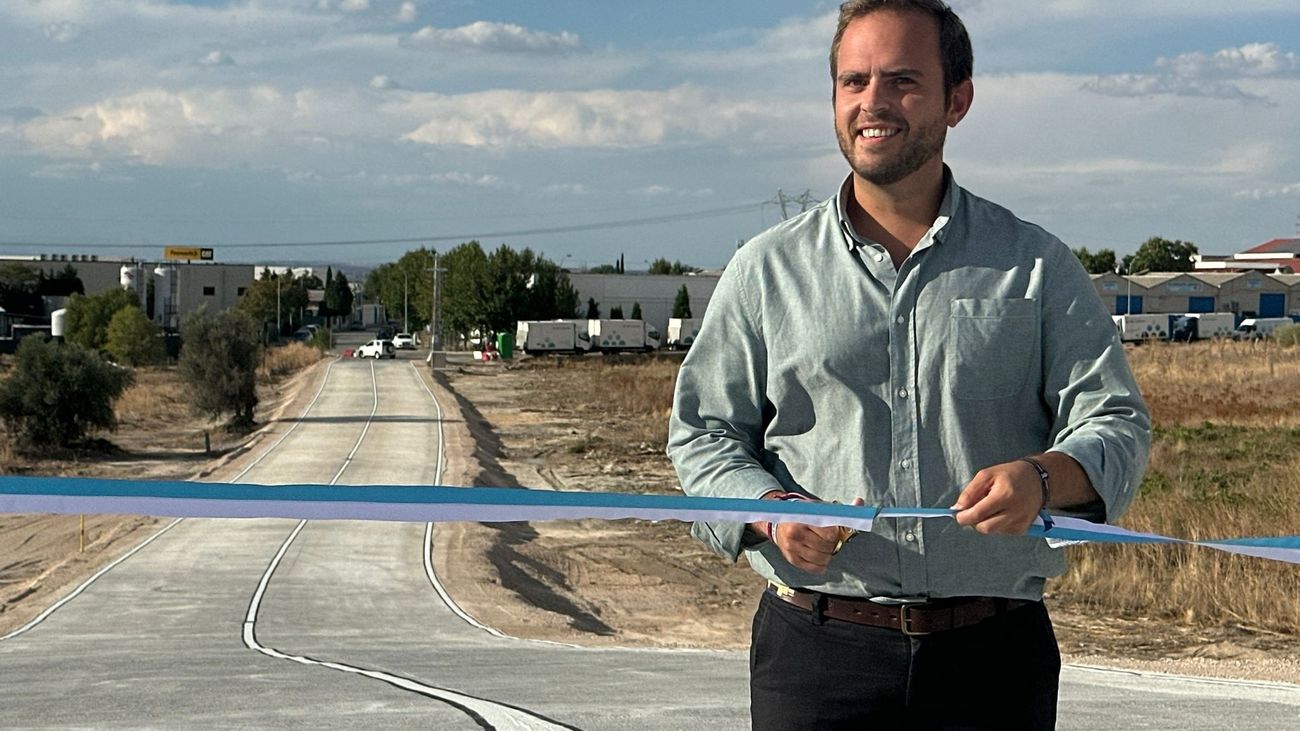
(59, 323)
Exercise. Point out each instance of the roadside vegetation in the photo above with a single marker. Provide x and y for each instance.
(58, 394)
(1225, 463)
(69, 396)
(219, 363)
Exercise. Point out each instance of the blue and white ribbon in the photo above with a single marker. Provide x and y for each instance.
(435, 504)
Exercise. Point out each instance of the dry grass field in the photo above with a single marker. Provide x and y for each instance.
(1225, 463)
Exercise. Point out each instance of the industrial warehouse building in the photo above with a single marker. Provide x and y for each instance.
(1245, 294)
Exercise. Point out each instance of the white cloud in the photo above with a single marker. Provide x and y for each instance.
(454, 177)
(62, 32)
(79, 171)
(346, 6)
(380, 81)
(1250, 60)
(1277, 191)
(1197, 74)
(668, 191)
(407, 13)
(217, 58)
(567, 189)
(158, 127)
(1145, 85)
(491, 36)
(606, 119)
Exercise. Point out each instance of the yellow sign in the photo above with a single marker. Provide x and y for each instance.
(187, 253)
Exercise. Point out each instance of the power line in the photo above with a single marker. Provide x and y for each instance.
(805, 201)
(649, 220)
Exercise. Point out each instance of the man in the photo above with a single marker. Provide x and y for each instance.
(906, 344)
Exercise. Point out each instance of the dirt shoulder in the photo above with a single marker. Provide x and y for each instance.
(43, 557)
(650, 584)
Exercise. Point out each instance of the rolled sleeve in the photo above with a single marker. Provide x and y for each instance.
(1100, 419)
(715, 433)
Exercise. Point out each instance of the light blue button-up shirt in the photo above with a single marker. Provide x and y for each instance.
(822, 369)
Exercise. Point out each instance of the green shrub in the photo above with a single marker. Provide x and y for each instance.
(219, 363)
(322, 339)
(58, 393)
(89, 317)
(133, 339)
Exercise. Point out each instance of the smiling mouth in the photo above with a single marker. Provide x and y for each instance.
(872, 133)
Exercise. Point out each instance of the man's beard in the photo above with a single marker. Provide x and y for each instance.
(924, 143)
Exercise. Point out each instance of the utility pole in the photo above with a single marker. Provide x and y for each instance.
(406, 308)
(437, 359)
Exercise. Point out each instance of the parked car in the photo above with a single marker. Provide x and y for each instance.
(377, 349)
(404, 341)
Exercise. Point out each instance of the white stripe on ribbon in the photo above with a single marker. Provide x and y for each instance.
(436, 504)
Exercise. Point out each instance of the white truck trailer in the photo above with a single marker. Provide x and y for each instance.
(615, 336)
(1201, 325)
(1140, 328)
(682, 331)
(536, 337)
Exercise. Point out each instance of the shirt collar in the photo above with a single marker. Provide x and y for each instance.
(946, 208)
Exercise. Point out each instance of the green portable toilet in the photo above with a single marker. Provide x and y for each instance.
(506, 345)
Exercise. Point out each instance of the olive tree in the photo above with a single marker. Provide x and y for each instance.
(218, 363)
(58, 393)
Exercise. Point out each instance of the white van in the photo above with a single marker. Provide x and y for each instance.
(1254, 328)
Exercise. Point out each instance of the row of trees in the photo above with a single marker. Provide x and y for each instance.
(480, 292)
(484, 292)
(1154, 255)
(23, 288)
(280, 300)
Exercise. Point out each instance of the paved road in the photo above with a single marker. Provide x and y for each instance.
(255, 623)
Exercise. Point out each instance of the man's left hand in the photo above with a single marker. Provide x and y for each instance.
(1004, 498)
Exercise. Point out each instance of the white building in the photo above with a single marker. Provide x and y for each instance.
(189, 285)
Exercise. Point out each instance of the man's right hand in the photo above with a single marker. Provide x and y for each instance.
(807, 547)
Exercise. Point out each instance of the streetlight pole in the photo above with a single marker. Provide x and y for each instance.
(435, 309)
(406, 307)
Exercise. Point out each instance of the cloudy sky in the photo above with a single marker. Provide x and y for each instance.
(586, 128)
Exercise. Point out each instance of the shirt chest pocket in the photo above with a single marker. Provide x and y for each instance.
(991, 345)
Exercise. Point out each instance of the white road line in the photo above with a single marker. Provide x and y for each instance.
(323, 382)
(82, 587)
(487, 714)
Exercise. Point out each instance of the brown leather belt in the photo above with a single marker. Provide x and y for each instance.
(935, 615)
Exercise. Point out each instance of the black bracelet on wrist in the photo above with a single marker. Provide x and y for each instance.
(1042, 479)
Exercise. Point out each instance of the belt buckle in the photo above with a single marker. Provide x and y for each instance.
(905, 619)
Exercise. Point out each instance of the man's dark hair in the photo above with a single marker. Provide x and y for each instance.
(954, 43)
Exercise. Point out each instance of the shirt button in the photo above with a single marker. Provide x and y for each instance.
(904, 463)
(901, 320)
(880, 257)
(902, 393)
(910, 537)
